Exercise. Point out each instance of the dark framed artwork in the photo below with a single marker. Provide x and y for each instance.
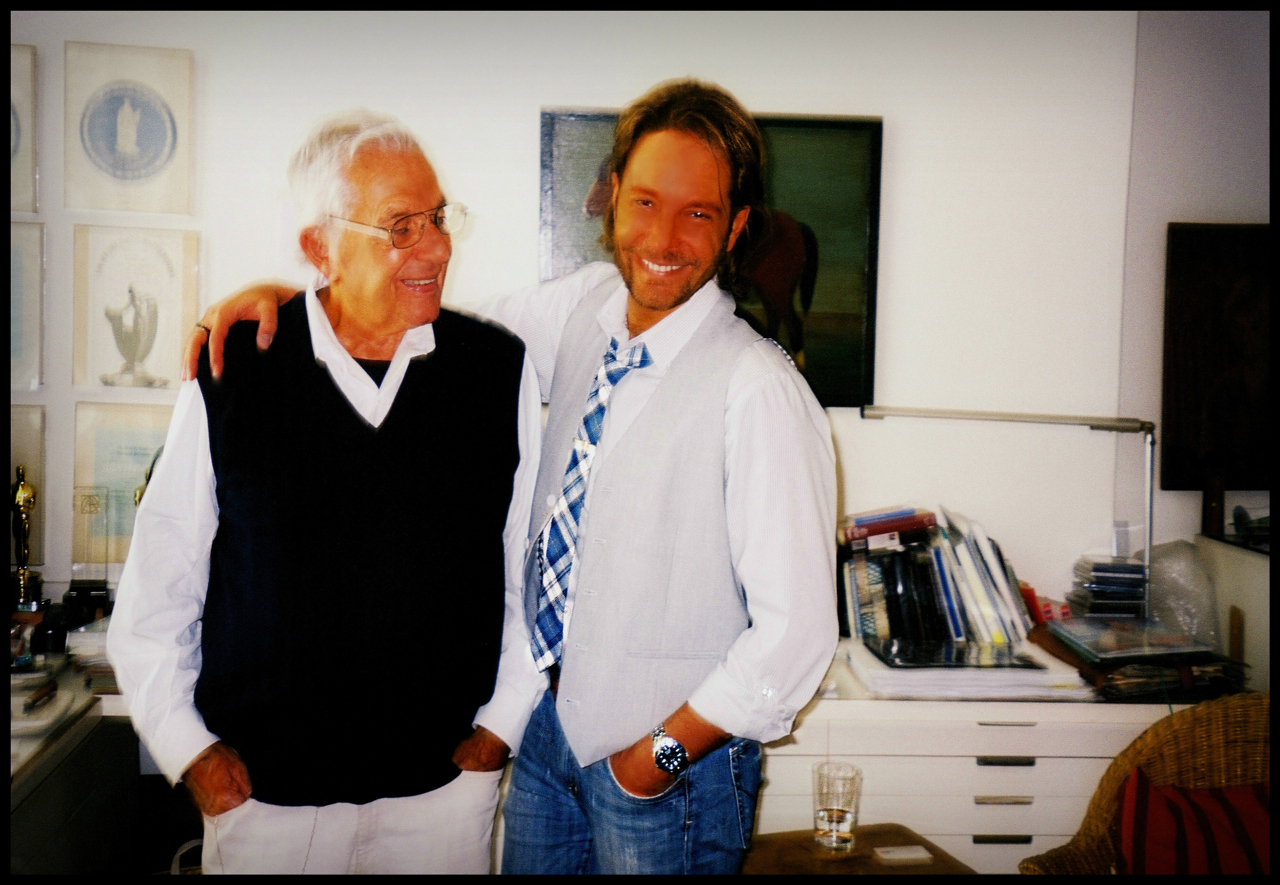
(1216, 373)
(812, 284)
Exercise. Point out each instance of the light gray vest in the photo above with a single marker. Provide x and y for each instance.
(657, 602)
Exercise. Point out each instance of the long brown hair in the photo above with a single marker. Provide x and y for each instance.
(707, 112)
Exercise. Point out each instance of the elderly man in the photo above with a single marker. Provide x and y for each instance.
(679, 587)
(312, 612)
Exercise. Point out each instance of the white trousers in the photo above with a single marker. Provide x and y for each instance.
(444, 831)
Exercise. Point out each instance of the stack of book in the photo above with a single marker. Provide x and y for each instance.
(1108, 587)
(1127, 658)
(924, 592)
(919, 580)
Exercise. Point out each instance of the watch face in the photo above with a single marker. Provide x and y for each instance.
(670, 756)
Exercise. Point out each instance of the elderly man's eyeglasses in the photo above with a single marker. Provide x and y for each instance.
(407, 232)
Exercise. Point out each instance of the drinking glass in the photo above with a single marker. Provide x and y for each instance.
(837, 787)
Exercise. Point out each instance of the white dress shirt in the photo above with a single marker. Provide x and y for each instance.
(154, 638)
(779, 492)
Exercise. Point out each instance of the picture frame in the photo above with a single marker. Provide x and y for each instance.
(116, 443)
(22, 128)
(26, 447)
(135, 298)
(822, 189)
(26, 305)
(127, 132)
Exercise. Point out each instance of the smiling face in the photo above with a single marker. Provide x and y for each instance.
(673, 223)
(375, 287)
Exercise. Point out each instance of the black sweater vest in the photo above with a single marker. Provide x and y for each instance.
(354, 617)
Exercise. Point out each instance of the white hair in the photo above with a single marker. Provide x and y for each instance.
(318, 172)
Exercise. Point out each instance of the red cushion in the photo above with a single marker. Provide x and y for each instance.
(1178, 831)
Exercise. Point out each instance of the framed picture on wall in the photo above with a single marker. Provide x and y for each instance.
(135, 297)
(26, 290)
(26, 448)
(127, 130)
(22, 128)
(812, 283)
(115, 445)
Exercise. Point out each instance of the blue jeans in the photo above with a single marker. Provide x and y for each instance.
(562, 818)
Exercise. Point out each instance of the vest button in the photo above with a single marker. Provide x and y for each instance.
(551, 500)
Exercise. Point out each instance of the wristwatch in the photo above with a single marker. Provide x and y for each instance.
(668, 753)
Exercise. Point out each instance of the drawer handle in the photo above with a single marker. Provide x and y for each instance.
(1024, 761)
(1003, 800)
(993, 839)
(1007, 724)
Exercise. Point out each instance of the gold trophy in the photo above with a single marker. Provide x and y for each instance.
(27, 583)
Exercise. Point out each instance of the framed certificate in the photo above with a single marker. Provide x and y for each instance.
(22, 128)
(26, 290)
(128, 128)
(135, 295)
(115, 444)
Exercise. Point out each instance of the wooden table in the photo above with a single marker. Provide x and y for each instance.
(796, 852)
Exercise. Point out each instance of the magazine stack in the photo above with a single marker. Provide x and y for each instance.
(935, 609)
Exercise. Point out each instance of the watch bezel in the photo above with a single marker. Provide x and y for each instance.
(669, 754)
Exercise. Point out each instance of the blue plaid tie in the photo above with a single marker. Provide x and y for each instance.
(558, 542)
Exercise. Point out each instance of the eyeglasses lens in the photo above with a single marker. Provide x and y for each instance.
(451, 218)
(448, 220)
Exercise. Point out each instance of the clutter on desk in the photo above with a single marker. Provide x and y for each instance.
(937, 581)
(88, 649)
(936, 610)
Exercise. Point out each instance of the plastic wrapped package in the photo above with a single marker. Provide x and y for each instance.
(1182, 593)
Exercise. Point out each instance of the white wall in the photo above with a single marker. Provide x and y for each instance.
(1006, 162)
(1201, 152)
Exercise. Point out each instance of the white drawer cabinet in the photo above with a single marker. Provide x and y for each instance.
(989, 782)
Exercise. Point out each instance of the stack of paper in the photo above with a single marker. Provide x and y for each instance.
(1051, 680)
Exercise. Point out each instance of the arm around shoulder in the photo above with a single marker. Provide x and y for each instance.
(258, 301)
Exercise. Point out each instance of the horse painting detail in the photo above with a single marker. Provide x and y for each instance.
(786, 258)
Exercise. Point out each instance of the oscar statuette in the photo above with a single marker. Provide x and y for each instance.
(26, 583)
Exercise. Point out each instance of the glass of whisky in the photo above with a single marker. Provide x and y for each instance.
(837, 787)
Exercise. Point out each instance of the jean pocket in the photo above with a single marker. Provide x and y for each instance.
(632, 797)
(744, 766)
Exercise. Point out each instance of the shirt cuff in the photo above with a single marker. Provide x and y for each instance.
(750, 712)
(508, 711)
(178, 741)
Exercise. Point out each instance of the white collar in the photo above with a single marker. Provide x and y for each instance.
(371, 401)
(418, 341)
(667, 337)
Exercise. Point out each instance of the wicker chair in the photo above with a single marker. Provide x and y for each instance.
(1220, 743)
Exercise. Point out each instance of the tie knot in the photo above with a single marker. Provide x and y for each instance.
(633, 358)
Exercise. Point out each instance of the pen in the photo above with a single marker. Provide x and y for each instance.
(40, 696)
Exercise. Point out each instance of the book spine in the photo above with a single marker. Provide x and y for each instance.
(931, 601)
(895, 596)
(993, 593)
(950, 602)
(844, 612)
(995, 567)
(982, 598)
(876, 515)
(876, 613)
(853, 613)
(978, 628)
(921, 520)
